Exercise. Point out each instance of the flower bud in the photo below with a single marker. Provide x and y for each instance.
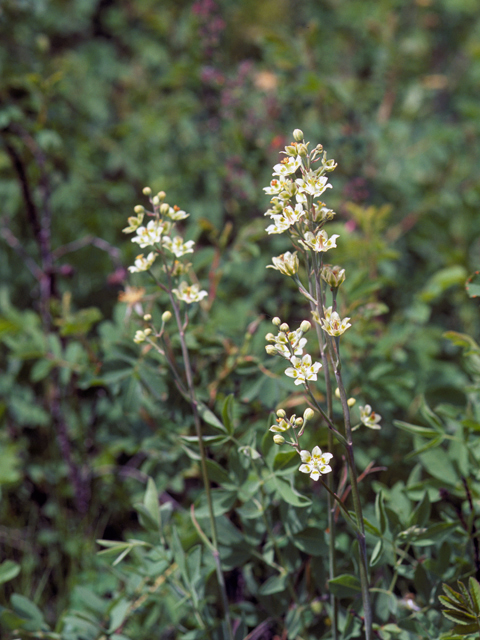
(281, 413)
(166, 316)
(287, 263)
(270, 337)
(284, 327)
(147, 191)
(147, 317)
(139, 209)
(147, 332)
(305, 326)
(161, 195)
(164, 209)
(337, 393)
(155, 200)
(271, 350)
(298, 422)
(351, 402)
(278, 439)
(276, 321)
(302, 150)
(298, 135)
(308, 414)
(333, 276)
(139, 337)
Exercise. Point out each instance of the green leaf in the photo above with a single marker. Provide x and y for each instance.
(421, 513)
(424, 432)
(454, 595)
(289, 494)
(376, 553)
(210, 418)
(218, 474)
(285, 462)
(344, 586)
(474, 588)
(311, 541)
(459, 617)
(27, 609)
(8, 570)
(227, 413)
(150, 501)
(380, 511)
(274, 584)
(463, 340)
(118, 614)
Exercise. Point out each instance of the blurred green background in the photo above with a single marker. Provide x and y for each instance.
(99, 98)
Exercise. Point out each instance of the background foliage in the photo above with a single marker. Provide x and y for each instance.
(99, 98)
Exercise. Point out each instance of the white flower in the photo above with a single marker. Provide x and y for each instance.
(297, 343)
(303, 369)
(288, 217)
(177, 246)
(312, 184)
(143, 264)
(320, 241)
(333, 276)
(134, 222)
(369, 418)
(175, 213)
(287, 263)
(276, 186)
(149, 235)
(287, 167)
(189, 293)
(315, 463)
(280, 225)
(333, 324)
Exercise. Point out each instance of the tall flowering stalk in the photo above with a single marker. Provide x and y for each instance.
(299, 181)
(166, 249)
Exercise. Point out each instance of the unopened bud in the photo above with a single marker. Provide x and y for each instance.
(139, 209)
(281, 413)
(147, 317)
(351, 402)
(161, 195)
(164, 209)
(271, 350)
(276, 321)
(147, 332)
(270, 337)
(278, 439)
(302, 150)
(139, 337)
(298, 135)
(298, 422)
(147, 191)
(166, 316)
(305, 326)
(284, 327)
(155, 200)
(337, 393)
(308, 414)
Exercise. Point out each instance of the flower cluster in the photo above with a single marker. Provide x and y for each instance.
(157, 235)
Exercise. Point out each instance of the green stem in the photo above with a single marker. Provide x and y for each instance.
(363, 562)
(203, 462)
